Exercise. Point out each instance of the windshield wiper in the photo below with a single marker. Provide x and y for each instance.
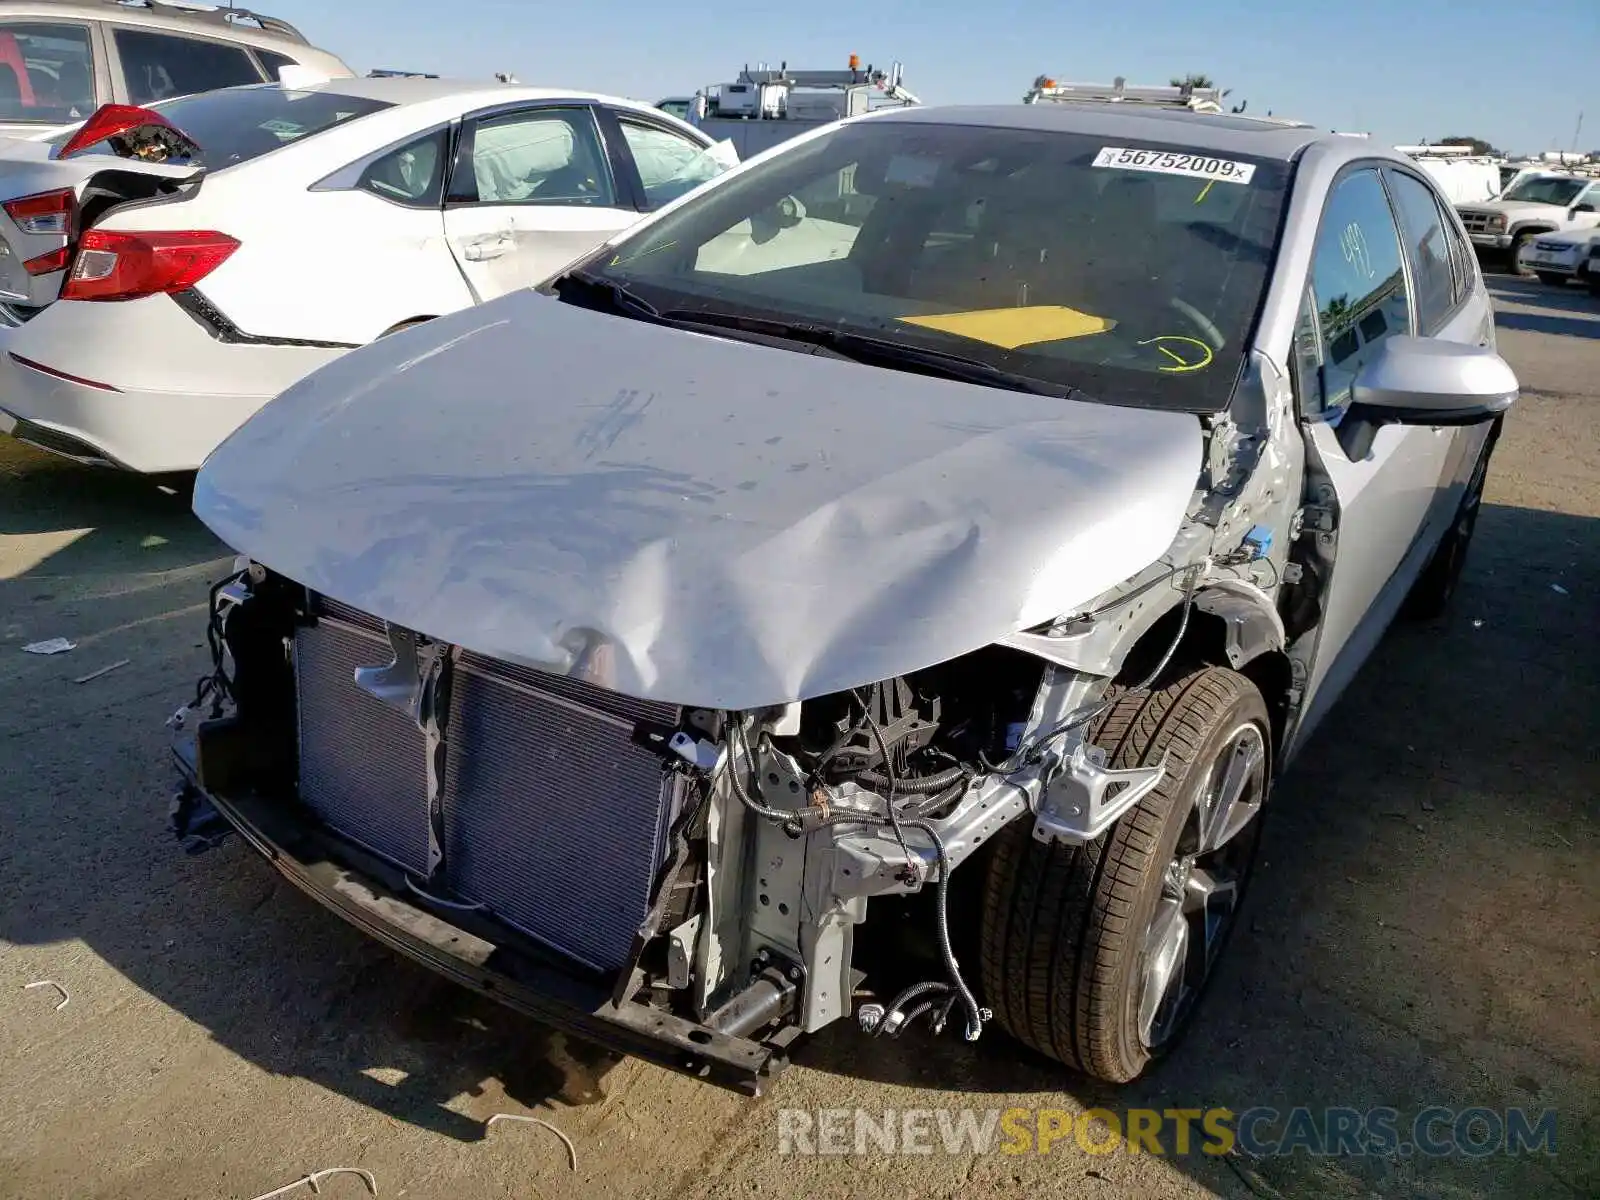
(618, 295)
(862, 348)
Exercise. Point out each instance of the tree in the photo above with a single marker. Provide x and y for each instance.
(1193, 81)
(1479, 146)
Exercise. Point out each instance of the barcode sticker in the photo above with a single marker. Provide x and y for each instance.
(1172, 162)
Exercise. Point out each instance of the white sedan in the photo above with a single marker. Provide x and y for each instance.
(165, 272)
(1559, 257)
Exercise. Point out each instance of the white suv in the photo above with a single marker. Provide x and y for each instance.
(62, 59)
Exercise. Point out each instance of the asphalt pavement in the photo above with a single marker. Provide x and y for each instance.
(1425, 929)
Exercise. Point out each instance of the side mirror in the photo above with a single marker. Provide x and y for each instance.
(1579, 208)
(1429, 381)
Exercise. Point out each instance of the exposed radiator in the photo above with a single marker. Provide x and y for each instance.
(554, 819)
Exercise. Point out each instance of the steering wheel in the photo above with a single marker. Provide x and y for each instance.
(1207, 328)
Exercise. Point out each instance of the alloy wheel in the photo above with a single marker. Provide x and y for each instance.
(1203, 885)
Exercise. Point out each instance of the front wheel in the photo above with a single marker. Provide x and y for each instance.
(1517, 246)
(1096, 955)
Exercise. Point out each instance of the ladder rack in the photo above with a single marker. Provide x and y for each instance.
(211, 14)
(1047, 90)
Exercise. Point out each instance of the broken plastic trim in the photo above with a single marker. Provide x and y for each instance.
(133, 132)
(210, 318)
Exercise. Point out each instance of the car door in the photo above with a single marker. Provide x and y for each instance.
(1585, 211)
(1383, 266)
(531, 190)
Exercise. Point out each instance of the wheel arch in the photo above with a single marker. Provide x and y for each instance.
(1232, 624)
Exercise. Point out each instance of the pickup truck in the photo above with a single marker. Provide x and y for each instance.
(1542, 204)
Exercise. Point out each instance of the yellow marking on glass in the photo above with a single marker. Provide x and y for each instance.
(1184, 365)
(617, 260)
(1022, 325)
(1205, 191)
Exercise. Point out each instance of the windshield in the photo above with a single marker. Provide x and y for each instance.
(1547, 190)
(237, 124)
(1131, 272)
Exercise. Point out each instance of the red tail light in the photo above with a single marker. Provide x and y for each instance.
(109, 120)
(48, 212)
(45, 214)
(125, 266)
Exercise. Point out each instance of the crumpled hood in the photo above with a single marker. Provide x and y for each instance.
(689, 518)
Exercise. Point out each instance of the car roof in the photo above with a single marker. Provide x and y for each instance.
(168, 19)
(414, 90)
(1222, 133)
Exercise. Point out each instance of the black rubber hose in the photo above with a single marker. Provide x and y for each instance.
(736, 739)
(919, 785)
(976, 1015)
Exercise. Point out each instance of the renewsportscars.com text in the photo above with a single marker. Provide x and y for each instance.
(1259, 1132)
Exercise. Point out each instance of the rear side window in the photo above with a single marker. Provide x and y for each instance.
(1427, 250)
(46, 73)
(244, 123)
(540, 156)
(413, 175)
(159, 66)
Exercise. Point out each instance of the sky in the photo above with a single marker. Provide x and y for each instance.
(1517, 74)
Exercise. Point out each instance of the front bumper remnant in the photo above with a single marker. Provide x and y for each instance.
(471, 948)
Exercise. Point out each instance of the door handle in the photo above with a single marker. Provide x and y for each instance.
(484, 248)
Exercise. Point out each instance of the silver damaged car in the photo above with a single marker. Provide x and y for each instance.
(947, 525)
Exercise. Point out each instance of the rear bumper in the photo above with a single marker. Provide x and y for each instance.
(470, 949)
(136, 384)
(150, 434)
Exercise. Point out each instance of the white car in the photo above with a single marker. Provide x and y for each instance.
(1559, 258)
(164, 273)
(61, 59)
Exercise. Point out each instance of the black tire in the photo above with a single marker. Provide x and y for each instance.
(1552, 278)
(1065, 928)
(1430, 595)
(1594, 283)
(1521, 240)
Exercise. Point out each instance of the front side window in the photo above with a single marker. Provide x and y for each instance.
(46, 73)
(1133, 273)
(1358, 281)
(159, 66)
(669, 164)
(544, 156)
(1427, 250)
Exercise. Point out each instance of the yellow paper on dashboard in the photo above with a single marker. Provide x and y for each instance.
(1013, 327)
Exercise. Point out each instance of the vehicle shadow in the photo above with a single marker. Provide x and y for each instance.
(1422, 927)
(1543, 323)
(121, 568)
(1439, 818)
